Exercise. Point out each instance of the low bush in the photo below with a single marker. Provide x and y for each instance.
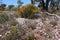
(28, 11)
(12, 35)
(31, 37)
(13, 23)
(3, 17)
(32, 27)
(0, 9)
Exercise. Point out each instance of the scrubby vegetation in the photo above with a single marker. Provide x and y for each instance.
(30, 22)
(3, 17)
(28, 11)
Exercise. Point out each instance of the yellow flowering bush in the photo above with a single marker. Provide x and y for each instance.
(28, 11)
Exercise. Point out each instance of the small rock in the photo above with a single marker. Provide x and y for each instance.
(0, 35)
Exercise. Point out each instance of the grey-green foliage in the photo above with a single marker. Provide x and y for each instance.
(3, 17)
(32, 27)
(13, 23)
(13, 35)
(30, 37)
(19, 33)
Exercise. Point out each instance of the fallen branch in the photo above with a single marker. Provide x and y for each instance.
(52, 15)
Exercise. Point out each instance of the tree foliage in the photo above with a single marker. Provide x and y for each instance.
(46, 4)
(10, 7)
(2, 7)
(19, 3)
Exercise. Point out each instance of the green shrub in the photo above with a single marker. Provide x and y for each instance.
(32, 27)
(28, 11)
(13, 23)
(30, 37)
(0, 9)
(12, 35)
(3, 17)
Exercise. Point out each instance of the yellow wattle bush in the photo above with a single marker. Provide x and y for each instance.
(28, 11)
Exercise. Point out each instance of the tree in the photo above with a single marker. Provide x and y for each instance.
(41, 2)
(19, 3)
(57, 3)
(32, 1)
(47, 3)
(10, 7)
(44, 5)
(3, 6)
(54, 3)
